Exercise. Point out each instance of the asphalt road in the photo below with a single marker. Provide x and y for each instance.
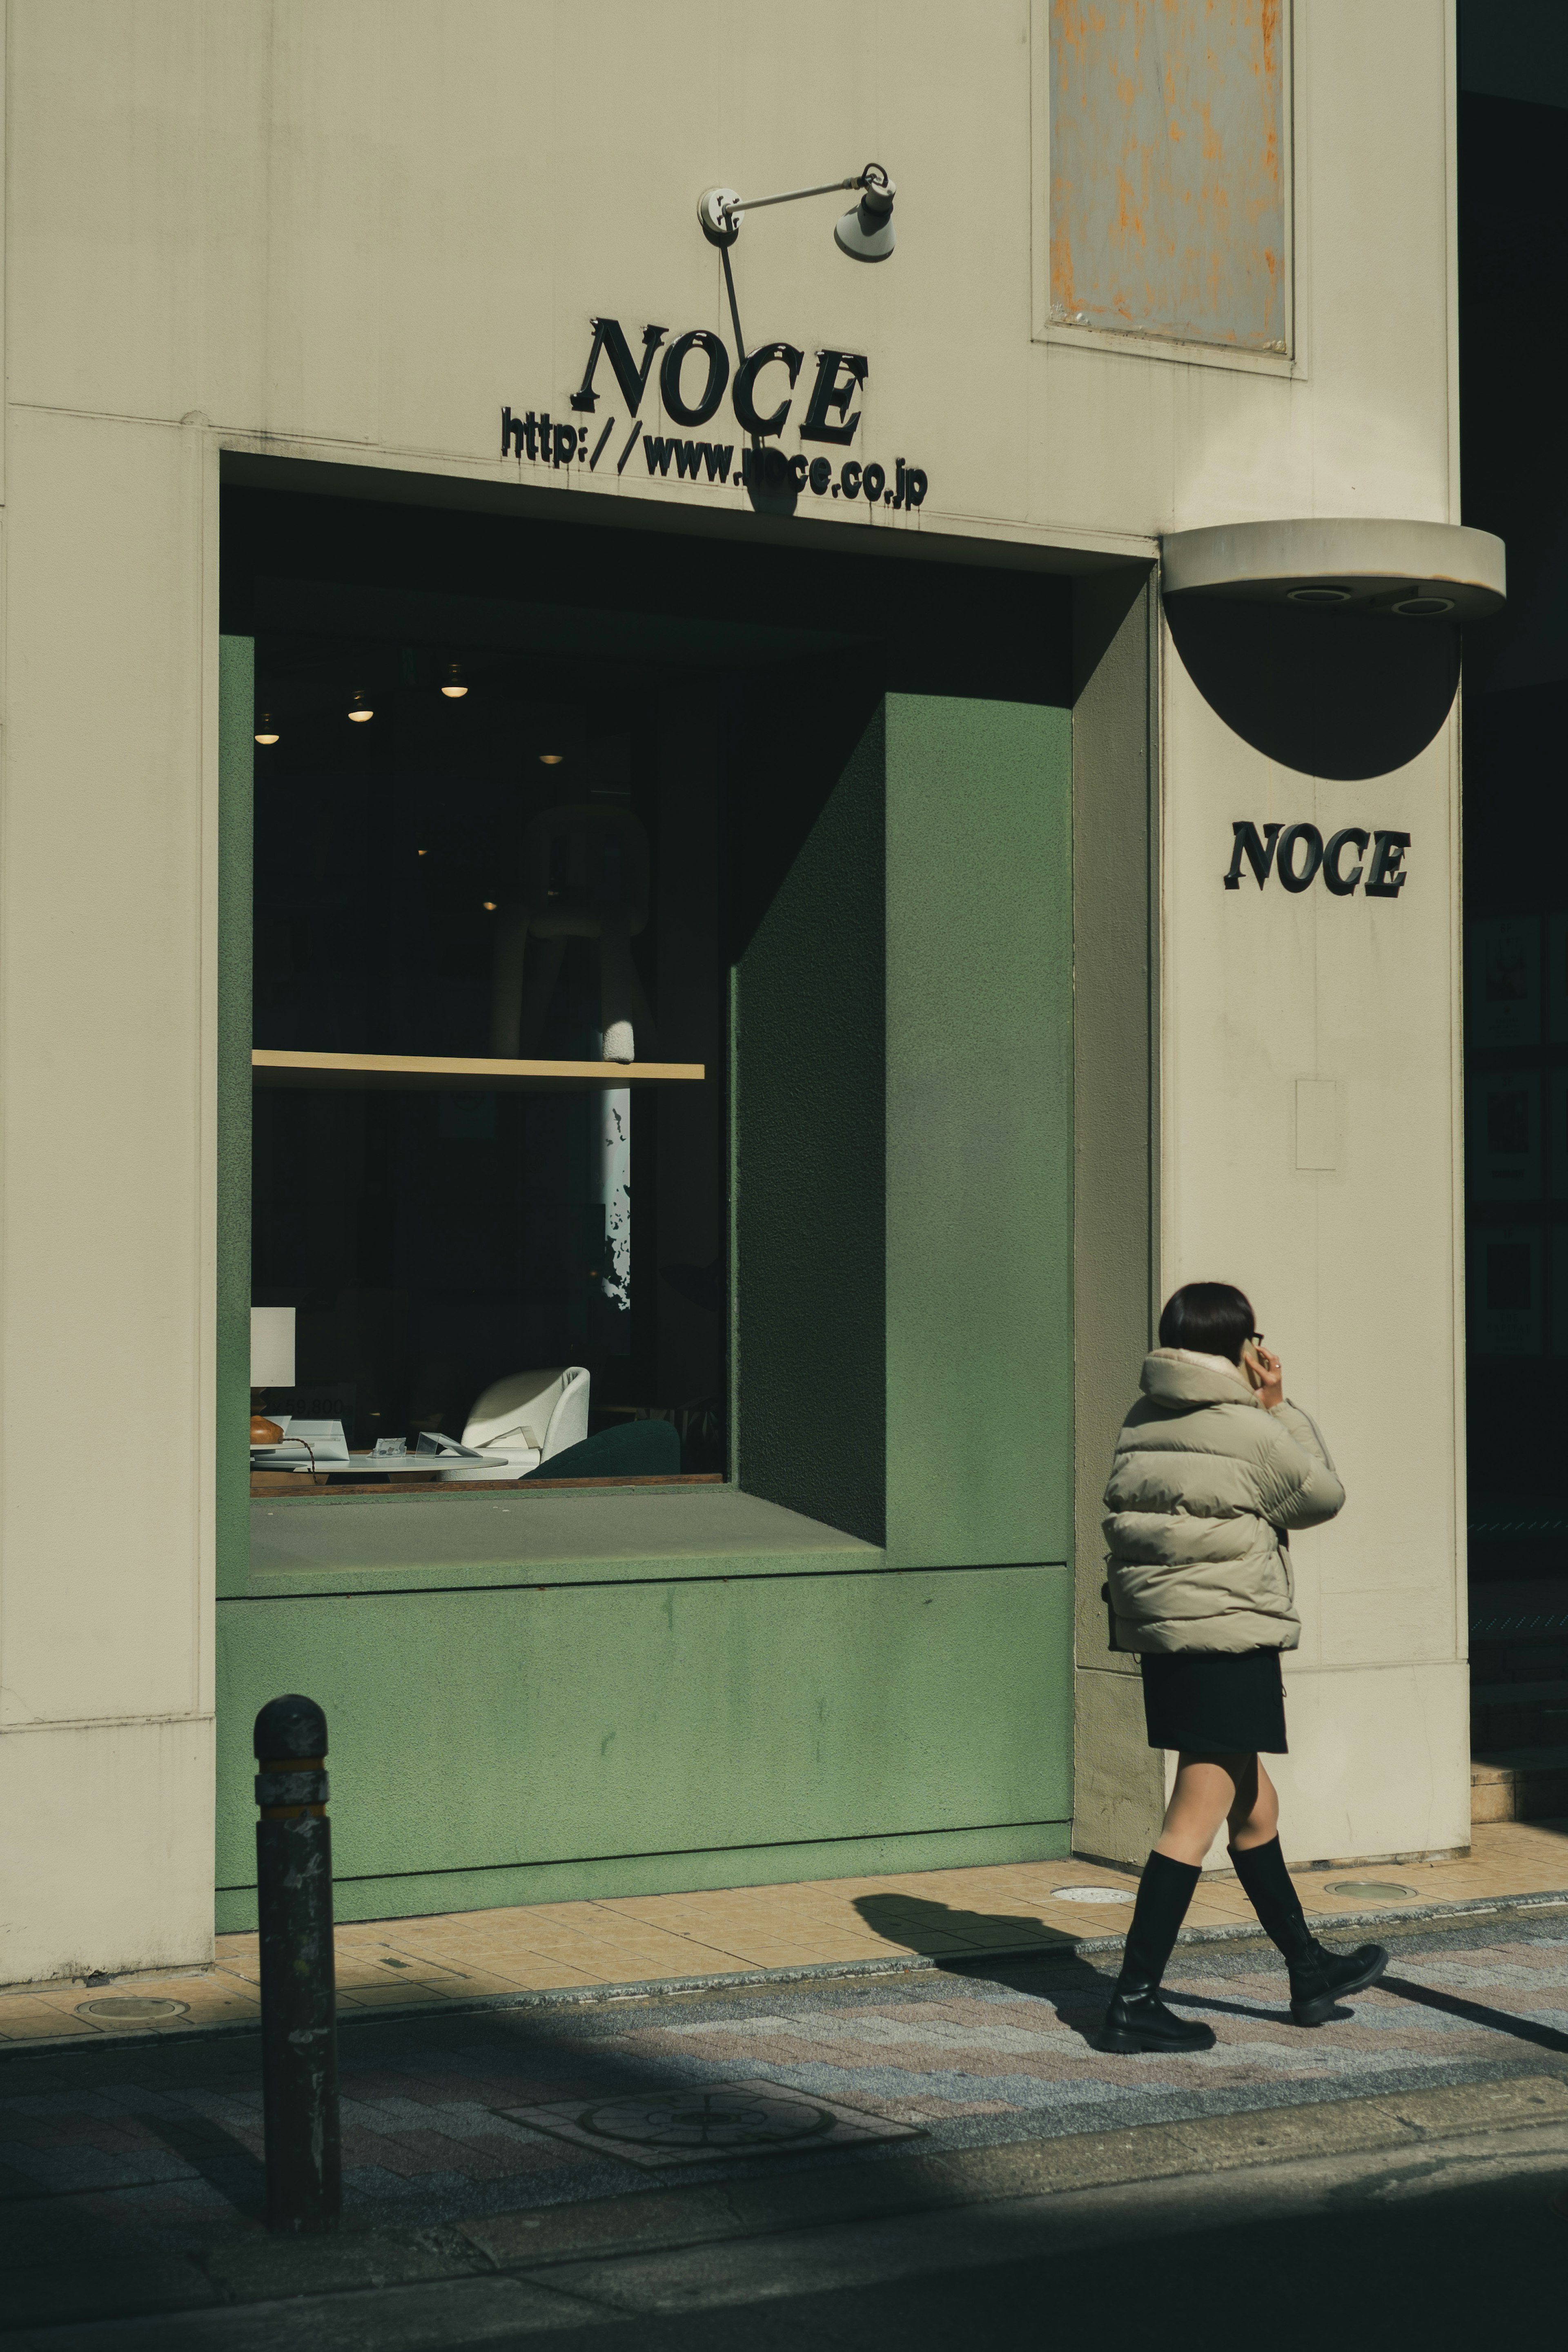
(711, 2169)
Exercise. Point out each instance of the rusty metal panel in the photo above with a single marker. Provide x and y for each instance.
(1167, 169)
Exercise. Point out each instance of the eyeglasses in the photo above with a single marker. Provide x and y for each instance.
(1257, 1339)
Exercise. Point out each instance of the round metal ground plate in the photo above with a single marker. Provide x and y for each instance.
(1371, 1890)
(719, 2120)
(1092, 1895)
(128, 2009)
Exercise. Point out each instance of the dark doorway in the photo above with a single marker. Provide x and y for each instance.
(1513, 232)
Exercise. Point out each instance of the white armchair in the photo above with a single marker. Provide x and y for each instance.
(521, 1420)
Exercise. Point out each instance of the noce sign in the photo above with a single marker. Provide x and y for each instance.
(1298, 854)
(761, 396)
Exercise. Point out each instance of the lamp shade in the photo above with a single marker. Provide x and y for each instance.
(272, 1347)
(867, 233)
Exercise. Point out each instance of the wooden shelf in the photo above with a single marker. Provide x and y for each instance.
(450, 1073)
(419, 1486)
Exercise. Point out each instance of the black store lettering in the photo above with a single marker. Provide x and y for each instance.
(699, 339)
(1297, 855)
(1386, 879)
(745, 393)
(1258, 852)
(831, 398)
(1292, 876)
(609, 338)
(1340, 883)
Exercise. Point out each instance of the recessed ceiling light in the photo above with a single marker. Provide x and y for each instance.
(1318, 596)
(1424, 608)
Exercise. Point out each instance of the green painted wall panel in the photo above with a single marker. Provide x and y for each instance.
(358, 1543)
(810, 1026)
(980, 1135)
(523, 1726)
(418, 1894)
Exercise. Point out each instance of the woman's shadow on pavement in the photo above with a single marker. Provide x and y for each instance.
(1041, 1962)
(1021, 1954)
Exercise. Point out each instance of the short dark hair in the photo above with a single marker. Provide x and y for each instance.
(1212, 1318)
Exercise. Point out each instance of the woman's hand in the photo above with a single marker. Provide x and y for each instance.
(1266, 1374)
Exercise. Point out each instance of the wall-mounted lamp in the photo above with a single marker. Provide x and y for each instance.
(266, 727)
(451, 685)
(865, 235)
(359, 710)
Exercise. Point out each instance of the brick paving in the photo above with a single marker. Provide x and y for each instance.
(130, 2164)
(148, 2154)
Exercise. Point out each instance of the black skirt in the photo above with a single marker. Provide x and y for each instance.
(1215, 1703)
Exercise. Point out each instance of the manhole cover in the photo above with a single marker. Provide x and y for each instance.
(1091, 1895)
(708, 2120)
(125, 2006)
(716, 2119)
(1371, 1890)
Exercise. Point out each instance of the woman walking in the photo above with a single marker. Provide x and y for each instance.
(1212, 1470)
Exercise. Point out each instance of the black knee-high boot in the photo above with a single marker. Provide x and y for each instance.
(1319, 1978)
(1137, 2018)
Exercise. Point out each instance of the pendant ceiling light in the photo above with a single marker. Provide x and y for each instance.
(359, 710)
(451, 685)
(266, 728)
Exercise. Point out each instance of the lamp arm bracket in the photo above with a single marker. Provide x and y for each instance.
(738, 205)
(720, 210)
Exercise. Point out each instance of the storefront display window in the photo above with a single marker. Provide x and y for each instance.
(487, 1199)
(570, 856)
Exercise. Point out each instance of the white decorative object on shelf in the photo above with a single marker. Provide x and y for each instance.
(522, 1421)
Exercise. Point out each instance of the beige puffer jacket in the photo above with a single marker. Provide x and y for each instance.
(1205, 1484)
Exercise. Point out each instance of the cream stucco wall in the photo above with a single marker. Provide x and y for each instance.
(351, 229)
(1353, 1269)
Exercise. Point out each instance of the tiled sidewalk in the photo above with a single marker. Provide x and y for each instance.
(543, 1947)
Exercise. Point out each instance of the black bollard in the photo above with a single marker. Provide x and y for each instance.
(298, 2021)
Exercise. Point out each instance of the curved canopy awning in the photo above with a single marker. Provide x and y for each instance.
(1421, 571)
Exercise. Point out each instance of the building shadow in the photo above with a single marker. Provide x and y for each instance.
(215, 2155)
(1344, 695)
